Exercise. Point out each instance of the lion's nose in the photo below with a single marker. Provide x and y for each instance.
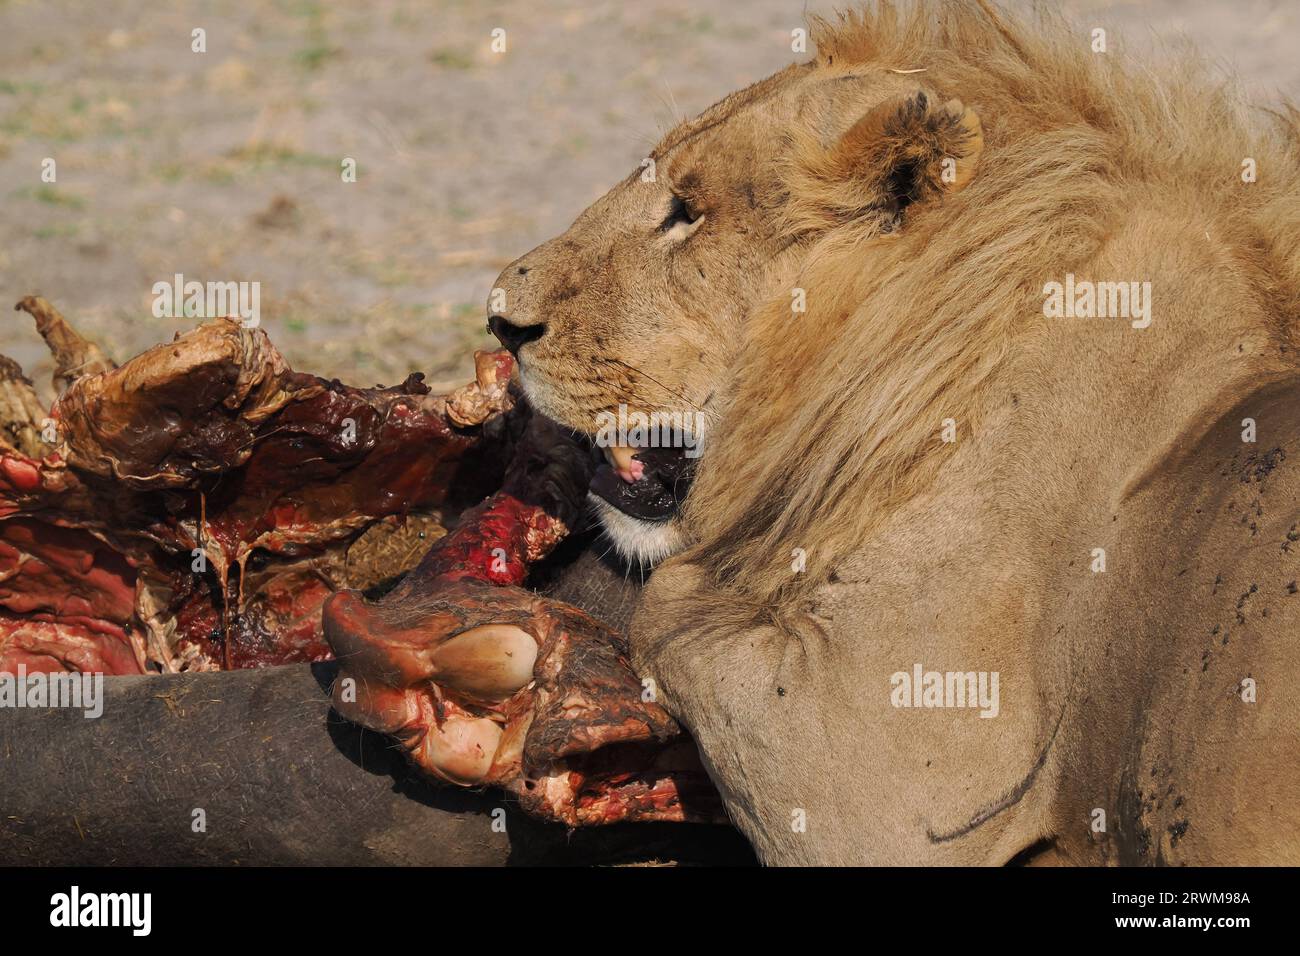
(512, 336)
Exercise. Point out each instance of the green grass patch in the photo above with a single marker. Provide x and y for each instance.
(451, 59)
(53, 196)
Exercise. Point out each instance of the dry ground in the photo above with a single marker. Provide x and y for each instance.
(225, 165)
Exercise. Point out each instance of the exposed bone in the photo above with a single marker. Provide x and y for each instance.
(459, 749)
(487, 395)
(21, 412)
(74, 356)
(489, 661)
(285, 485)
(442, 663)
(204, 501)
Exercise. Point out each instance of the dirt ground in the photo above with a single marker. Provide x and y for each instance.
(225, 165)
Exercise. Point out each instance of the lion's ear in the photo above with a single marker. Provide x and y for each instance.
(904, 151)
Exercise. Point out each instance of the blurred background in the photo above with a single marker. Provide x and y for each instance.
(225, 165)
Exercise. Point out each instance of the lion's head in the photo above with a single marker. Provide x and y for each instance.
(929, 462)
(636, 315)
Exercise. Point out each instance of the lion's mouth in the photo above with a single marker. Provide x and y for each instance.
(645, 483)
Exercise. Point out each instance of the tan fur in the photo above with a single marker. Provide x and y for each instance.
(856, 427)
(1123, 687)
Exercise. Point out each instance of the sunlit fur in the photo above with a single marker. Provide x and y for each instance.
(825, 437)
(835, 419)
(824, 421)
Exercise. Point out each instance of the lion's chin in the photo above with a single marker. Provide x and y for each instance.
(637, 541)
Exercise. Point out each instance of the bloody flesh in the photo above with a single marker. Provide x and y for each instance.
(198, 507)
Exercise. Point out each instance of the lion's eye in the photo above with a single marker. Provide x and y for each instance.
(680, 216)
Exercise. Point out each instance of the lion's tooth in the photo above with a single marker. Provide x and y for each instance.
(621, 460)
(622, 455)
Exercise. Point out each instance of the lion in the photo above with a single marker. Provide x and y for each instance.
(956, 574)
